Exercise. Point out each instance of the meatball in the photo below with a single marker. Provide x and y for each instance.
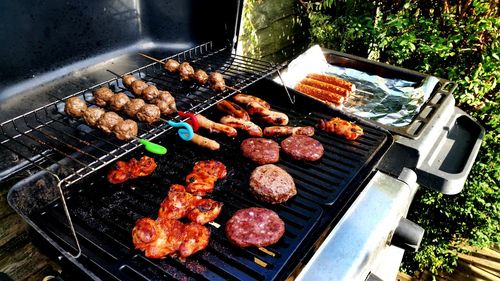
(108, 121)
(149, 113)
(118, 101)
(272, 184)
(257, 227)
(102, 96)
(133, 106)
(92, 115)
(217, 83)
(166, 103)
(150, 93)
(171, 65)
(138, 86)
(186, 71)
(75, 107)
(128, 79)
(201, 77)
(261, 151)
(125, 129)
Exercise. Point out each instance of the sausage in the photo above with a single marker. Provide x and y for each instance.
(266, 115)
(333, 80)
(212, 126)
(205, 142)
(283, 131)
(233, 109)
(246, 99)
(320, 94)
(248, 126)
(326, 86)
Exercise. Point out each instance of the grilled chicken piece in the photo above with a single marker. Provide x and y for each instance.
(342, 128)
(102, 96)
(186, 71)
(127, 80)
(251, 128)
(196, 238)
(283, 131)
(201, 77)
(120, 173)
(149, 113)
(75, 107)
(246, 99)
(138, 86)
(158, 238)
(92, 114)
(214, 127)
(125, 130)
(108, 121)
(133, 106)
(233, 109)
(266, 115)
(206, 210)
(118, 101)
(204, 175)
(178, 203)
(217, 83)
(171, 65)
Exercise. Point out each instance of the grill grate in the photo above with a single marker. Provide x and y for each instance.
(44, 136)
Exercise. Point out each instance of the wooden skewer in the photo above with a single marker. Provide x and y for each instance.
(151, 58)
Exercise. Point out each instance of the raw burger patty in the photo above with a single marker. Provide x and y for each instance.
(272, 184)
(257, 227)
(302, 148)
(261, 151)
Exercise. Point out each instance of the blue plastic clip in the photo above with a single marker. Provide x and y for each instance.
(186, 132)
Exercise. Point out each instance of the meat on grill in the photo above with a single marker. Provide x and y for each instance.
(75, 107)
(257, 227)
(123, 171)
(138, 86)
(102, 96)
(133, 106)
(201, 77)
(272, 184)
(204, 175)
(251, 128)
(268, 116)
(186, 71)
(330, 79)
(205, 210)
(127, 80)
(233, 110)
(150, 93)
(118, 101)
(125, 130)
(323, 95)
(326, 86)
(178, 203)
(158, 238)
(217, 82)
(283, 131)
(214, 127)
(166, 103)
(261, 151)
(341, 127)
(149, 113)
(302, 148)
(171, 65)
(108, 121)
(196, 238)
(92, 114)
(205, 142)
(246, 99)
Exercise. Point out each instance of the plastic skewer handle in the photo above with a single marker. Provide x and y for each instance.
(185, 132)
(153, 147)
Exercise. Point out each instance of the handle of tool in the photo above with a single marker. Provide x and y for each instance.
(153, 147)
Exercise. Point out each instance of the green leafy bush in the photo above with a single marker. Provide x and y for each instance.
(456, 40)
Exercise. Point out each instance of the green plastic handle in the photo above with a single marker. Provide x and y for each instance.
(153, 147)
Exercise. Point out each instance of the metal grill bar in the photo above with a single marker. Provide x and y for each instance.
(89, 150)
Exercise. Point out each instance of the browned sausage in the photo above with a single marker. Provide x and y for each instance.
(283, 131)
(266, 115)
(205, 142)
(326, 86)
(246, 99)
(320, 94)
(233, 109)
(212, 126)
(333, 80)
(248, 126)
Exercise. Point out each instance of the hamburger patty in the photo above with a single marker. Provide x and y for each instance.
(272, 184)
(302, 148)
(257, 227)
(261, 151)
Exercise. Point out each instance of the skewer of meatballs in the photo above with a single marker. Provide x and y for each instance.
(187, 73)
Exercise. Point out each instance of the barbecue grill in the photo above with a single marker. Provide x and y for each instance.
(350, 205)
